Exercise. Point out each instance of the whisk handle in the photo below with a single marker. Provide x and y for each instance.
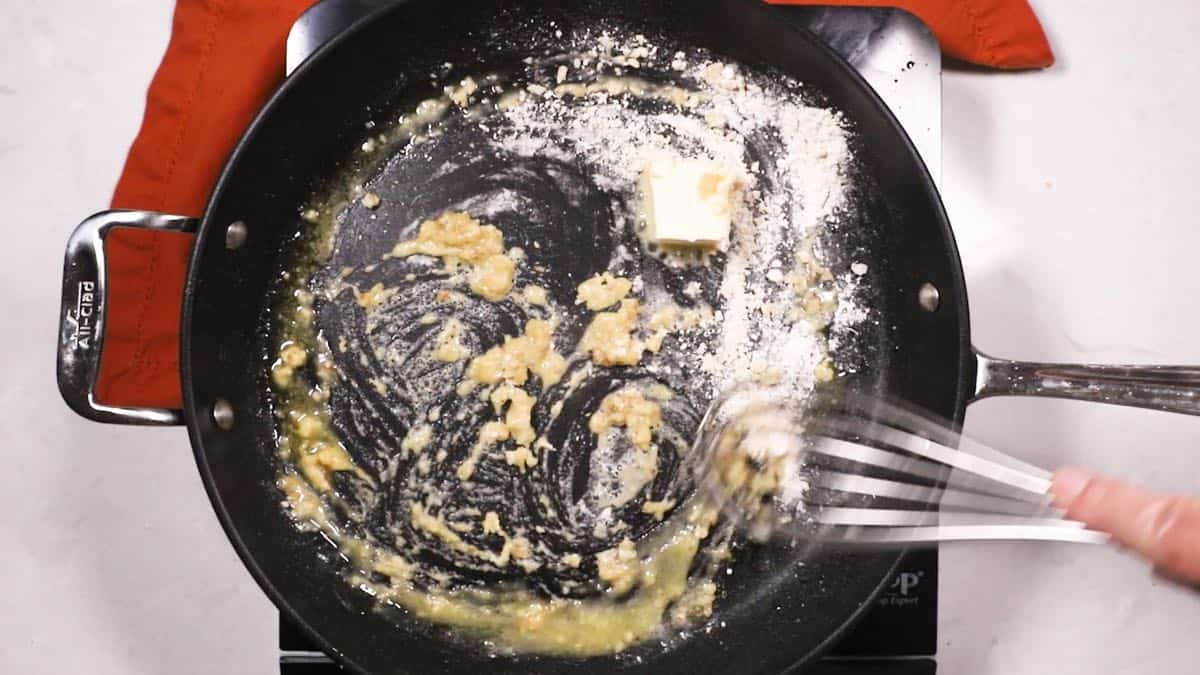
(1168, 388)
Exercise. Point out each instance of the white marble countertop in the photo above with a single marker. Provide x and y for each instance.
(1070, 191)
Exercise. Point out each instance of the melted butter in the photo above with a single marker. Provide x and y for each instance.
(654, 580)
(436, 527)
(417, 439)
(459, 239)
(454, 237)
(319, 461)
(619, 567)
(662, 322)
(658, 509)
(630, 409)
(609, 337)
(493, 278)
(314, 450)
(447, 346)
(306, 506)
(602, 291)
(520, 407)
(634, 470)
(515, 425)
(491, 434)
(491, 523)
(521, 457)
(644, 581)
(461, 93)
(518, 356)
(695, 604)
(373, 296)
(535, 295)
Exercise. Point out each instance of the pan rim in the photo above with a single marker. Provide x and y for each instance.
(191, 407)
(194, 410)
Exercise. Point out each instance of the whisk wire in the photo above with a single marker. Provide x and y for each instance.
(959, 489)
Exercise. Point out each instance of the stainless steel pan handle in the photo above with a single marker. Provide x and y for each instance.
(1168, 388)
(82, 318)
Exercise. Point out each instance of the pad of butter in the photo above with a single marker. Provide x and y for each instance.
(687, 202)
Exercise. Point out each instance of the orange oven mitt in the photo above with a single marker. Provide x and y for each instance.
(224, 58)
(996, 33)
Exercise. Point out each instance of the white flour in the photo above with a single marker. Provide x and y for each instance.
(745, 315)
(790, 158)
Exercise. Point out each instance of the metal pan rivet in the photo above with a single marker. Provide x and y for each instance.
(929, 298)
(223, 414)
(235, 235)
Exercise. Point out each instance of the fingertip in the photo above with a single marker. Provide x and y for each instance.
(1067, 485)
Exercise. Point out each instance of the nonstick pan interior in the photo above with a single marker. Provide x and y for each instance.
(783, 612)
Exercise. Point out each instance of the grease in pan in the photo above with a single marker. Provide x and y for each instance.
(535, 498)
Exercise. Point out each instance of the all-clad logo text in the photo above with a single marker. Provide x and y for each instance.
(85, 315)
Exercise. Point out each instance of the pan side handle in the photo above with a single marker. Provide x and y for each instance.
(83, 316)
(1168, 388)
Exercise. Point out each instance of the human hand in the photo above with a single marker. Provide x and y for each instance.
(1165, 529)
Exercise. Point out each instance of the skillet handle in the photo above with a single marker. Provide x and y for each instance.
(1168, 388)
(84, 316)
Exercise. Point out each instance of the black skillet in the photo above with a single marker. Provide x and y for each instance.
(784, 614)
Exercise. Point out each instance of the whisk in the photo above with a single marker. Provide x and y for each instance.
(860, 469)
